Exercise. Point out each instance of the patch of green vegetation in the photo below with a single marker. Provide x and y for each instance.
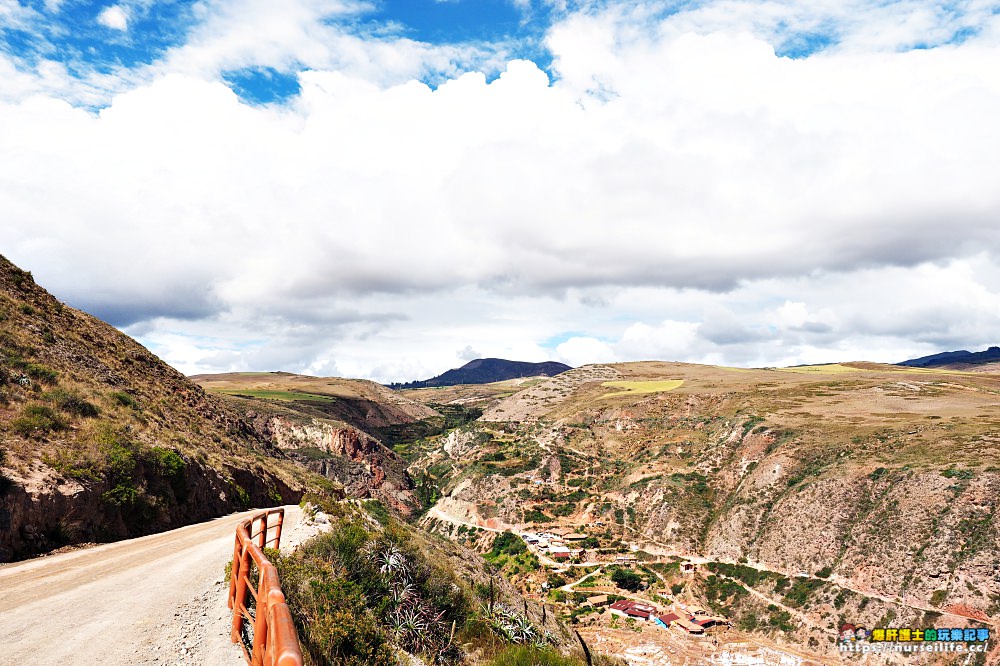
(72, 403)
(536, 516)
(37, 421)
(402, 435)
(642, 387)
(961, 474)
(801, 590)
(524, 655)
(123, 399)
(751, 423)
(281, 396)
(627, 580)
(359, 593)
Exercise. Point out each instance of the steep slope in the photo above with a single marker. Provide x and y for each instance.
(883, 479)
(102, 440)
(488, 370)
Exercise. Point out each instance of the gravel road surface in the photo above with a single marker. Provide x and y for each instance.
(158, 599)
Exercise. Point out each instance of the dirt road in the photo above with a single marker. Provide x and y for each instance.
(158, 599)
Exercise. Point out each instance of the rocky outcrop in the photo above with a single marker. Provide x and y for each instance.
(364, 466)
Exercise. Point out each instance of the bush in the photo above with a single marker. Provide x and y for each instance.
(72, 403)
(36, 421)
(123, 399)
(627, 580)
(507, 543)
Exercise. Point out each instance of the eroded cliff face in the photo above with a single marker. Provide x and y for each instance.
(364, 466)
(43, 509)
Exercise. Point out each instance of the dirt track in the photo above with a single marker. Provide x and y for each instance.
(157, 599)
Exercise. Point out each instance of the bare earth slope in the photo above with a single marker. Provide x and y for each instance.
(152, 600)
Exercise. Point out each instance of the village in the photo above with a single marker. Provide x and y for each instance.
(660, 623)
(558, 544)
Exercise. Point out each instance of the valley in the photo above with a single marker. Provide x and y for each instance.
(808, 497)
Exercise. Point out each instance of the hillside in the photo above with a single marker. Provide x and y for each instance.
(489, 370)
(332, 426)
(102, 440)
(807, 478)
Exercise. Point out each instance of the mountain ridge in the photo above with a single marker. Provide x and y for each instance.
(989, 355)
(487, 371)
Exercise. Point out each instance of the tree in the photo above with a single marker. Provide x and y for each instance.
(627, 580)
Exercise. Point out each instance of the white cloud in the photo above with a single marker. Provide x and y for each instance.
(679, 192)
(113, 17)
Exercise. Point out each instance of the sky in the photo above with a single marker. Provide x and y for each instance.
(387, 189)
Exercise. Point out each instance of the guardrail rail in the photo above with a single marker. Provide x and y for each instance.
(262, 622)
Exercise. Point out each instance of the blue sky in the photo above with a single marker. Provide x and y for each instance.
(386, 189)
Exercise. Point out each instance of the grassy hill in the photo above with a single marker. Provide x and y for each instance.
(100, 440)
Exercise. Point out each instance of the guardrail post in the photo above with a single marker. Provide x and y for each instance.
(241, 593)
(234, 571)
(262, 537)
(277, 529)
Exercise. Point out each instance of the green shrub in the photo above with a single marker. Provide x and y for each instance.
(355, 593)
(507, 543)
(123, 399)
(41, 373)
(37, 421)
(72, 403)
(627, 580)
(240, 495)
(119, 472)
(168, 465)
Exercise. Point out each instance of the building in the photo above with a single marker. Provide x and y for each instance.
(625, 560)
(633, 609)
(575, 536)
(599, 600)
(688, 567)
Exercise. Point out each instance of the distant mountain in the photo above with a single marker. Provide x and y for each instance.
(950, 358)
(487, 370)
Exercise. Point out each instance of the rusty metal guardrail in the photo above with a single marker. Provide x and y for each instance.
(262, 622)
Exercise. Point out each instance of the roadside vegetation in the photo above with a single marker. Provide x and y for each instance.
(373, 588)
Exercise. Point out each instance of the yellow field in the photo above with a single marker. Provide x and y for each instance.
(829, 369)
(638, 387)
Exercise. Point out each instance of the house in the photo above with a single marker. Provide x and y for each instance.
(710, 621)
(688, 626)
(697, 610)
(688, 567)
(634, 609)
(665, 620)
(560, 552)
(575, 536)
(599, 600)
(626, 560)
